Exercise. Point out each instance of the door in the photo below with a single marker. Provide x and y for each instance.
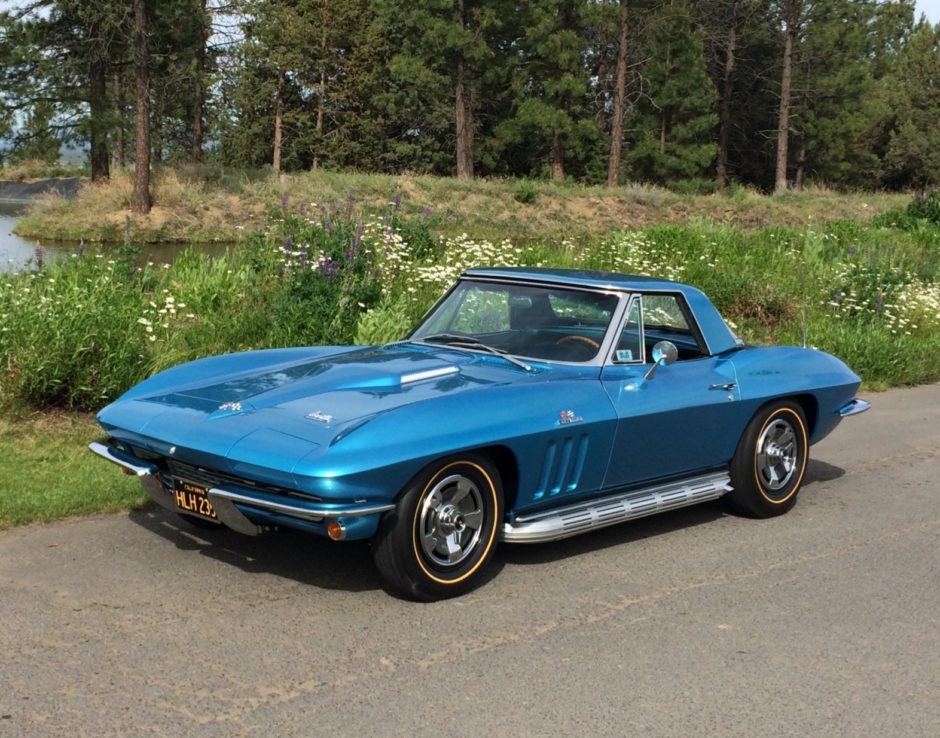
(682, 420)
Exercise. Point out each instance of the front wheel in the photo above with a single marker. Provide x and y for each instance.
(443, 531)
(770, 461)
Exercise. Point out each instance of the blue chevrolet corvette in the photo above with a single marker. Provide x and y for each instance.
(529, 405)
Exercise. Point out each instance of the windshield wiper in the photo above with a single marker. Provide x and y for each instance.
(455, 340)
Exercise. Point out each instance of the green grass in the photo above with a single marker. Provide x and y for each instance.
(76, 334)
(47, 472)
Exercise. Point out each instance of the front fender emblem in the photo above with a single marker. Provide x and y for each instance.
(567, 417)
(235, 407)
(320, 417)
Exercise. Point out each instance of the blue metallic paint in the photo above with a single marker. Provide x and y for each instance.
(339, 424)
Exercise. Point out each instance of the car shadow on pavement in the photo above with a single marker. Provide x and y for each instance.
(820, 471)
(304, 558)
(309, 559)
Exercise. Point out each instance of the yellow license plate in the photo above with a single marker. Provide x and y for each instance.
(194, 499)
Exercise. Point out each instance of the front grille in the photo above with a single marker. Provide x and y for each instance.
(211, 478)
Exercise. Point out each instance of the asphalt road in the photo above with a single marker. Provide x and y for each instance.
(823, 622)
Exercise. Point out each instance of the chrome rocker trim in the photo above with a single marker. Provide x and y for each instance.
(853, 407)
(572, 520)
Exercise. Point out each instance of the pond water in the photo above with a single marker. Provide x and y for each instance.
(16, 252)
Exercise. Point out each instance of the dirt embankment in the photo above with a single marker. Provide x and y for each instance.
(26, 191)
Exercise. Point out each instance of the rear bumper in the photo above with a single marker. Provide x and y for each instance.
(853, 407)
(248, 511)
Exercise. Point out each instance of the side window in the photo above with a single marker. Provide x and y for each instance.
(630, 346)
(665, 319)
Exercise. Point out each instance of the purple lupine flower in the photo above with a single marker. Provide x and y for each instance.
(303, 256)
(285, 201)
(328, 225)
(81, 247)
(853, 250)
(302, 209)
(426, 212)
(328, 268)
(355, 242)
(39, 256)
(289, 245)
(879, 303)
(398, 200)
(350, 201)
(838, 297)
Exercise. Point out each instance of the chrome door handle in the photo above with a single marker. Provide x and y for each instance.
(727, 387)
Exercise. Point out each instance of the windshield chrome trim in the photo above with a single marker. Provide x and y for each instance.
(607, 343)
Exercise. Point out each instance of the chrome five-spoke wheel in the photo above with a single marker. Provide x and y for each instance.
(450, 520)
(776, 454)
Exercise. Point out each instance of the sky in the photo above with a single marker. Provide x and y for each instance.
(931, 8)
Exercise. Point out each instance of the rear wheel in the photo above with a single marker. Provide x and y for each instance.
(770, 461)
(443, 531)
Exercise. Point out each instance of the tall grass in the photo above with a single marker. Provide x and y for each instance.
(77, 333)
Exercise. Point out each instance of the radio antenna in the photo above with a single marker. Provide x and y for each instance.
(805, 329)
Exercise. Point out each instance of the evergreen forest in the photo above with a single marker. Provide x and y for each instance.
(692, 95)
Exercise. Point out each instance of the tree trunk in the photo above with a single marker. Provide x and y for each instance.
(601, 91)
(558, 156)
(199, 86)
(321, 95)
(278, 122)
(620, 89)
(783, 118)
(119, 151)
(800, 168)
(141, 200)
(663, 125)
(724, 110)
(97, 104)
(463, 116)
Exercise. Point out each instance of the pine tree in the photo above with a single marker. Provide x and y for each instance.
(675, 123)
(913, 155)
(549, 112)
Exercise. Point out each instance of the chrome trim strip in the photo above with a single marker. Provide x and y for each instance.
(572, 520)
(853, 407)
(116, 457)
(221, 496)
(610, 334)
(442, 371)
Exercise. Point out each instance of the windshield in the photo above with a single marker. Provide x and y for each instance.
(549, 323)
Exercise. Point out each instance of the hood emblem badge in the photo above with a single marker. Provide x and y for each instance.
(320, 417)
(235, 407)
(567, 417)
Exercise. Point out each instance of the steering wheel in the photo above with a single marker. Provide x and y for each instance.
(582, 341)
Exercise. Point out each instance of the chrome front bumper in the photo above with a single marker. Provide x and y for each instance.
(225, 500)
(853, 407)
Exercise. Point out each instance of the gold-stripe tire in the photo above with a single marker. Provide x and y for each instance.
(441, 535)
(770, 461)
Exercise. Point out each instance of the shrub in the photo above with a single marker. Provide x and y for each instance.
(525, 191)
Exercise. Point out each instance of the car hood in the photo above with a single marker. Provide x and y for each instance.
(290, 408)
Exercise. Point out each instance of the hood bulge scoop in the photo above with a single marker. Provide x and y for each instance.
(369, 371)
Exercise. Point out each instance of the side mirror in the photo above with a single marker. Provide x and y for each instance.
(664, 352)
